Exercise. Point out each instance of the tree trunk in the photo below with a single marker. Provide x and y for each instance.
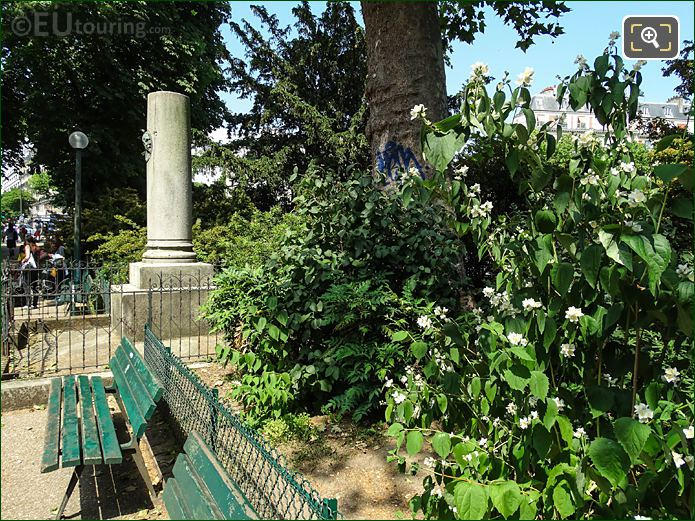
(405, 67)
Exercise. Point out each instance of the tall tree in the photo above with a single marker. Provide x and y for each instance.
(58, 78)
(683, 68)
(406, 45)
(307, 86)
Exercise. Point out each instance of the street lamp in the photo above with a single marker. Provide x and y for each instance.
(79, 141)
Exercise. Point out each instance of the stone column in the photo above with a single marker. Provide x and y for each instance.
(178, 284)
(169, 186)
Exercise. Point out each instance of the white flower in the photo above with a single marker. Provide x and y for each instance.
(534, 415)
(440, 312)
(424, 322)
(636, 197)
(560, 404)
(619, 193)
(640, 63)
(525, 78)
(643, 412)
(567, 350)
(609, 380)
(615, 171)
(635, 227)
(482, 442)
(689, 432)
(670, 375)
(689, 460)
(586, 197)
(481, 210)
(398, 397)
(468, 457)
(511, 408)
(685, 271)
(517, 339)
(428, 462)
(475, 188)
(579, 432)
(587, 138)
(530, 304)
(479, 69)
(642, 517)
(418, 111)
(677, 459)
(573, 314)
(614, 35)
(580, 60)
(532, 401)
(590, 179)
(388, 383)
(488, 292)
(524, 423)
(461, 172)
(496, 422)
(628, 168)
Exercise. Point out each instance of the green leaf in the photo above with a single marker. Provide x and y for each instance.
(566, 431)
(665, 142)
(652, 394)
(550, 413)
(590, 263)
(562, 274)
(419, 349)
(506, 497)
(517, 377)
(539, 384)
(439, 149)
(682, 207)
(282, 317)
(475, 387)
(512, 160)
(632, 435)
(656, 258)
(610, 460)
(541, 440)
(441, 443)
(273, 331)
(394, 430)
(398, 336)
(527, 509)
(521, 353)
(542, 251)
(669, 172)
(261, 324)
(413, 442)
(471, 500)
(600, 400)
(442, 402)
(562, 500)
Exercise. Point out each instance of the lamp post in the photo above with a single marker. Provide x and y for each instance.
(78, 141)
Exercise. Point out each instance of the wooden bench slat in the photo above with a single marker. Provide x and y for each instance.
(222, 488)
(71, 435)
(109, 442)
(91, 448)
(176, 508)
(193, 494)
(151, 382)
(51, 445)
(137, 421)
(137, 388)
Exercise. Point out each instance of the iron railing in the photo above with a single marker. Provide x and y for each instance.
(274, 491)
(68, 318)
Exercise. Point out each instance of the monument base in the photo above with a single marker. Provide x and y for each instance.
(175, 313)
(146, 275)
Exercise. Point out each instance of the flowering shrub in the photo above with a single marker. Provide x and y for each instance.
(565, 392)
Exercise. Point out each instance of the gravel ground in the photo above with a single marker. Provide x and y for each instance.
(104, 492)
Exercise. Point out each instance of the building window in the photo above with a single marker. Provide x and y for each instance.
(581, 123)
(668, 112)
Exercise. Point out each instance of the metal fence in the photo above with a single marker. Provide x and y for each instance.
(261, 472)
(68, 318)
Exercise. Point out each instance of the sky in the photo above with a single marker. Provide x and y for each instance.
(587, 27)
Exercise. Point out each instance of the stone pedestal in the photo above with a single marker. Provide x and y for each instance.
(168, 286)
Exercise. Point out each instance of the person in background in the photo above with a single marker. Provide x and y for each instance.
(12, 236)
(33, 255)
(23, 234)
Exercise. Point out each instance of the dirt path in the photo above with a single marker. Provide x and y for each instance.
(343, 461)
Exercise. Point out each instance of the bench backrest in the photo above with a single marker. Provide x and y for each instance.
(201, 487)
(138, 388)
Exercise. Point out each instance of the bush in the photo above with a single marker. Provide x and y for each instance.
(321, 308)
(567, 393)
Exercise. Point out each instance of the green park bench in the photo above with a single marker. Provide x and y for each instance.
(80, 429)
(201, 488)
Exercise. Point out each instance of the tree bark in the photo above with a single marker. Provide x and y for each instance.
(405, 67)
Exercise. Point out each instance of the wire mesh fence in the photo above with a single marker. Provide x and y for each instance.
(273, 490)
(68, 318)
